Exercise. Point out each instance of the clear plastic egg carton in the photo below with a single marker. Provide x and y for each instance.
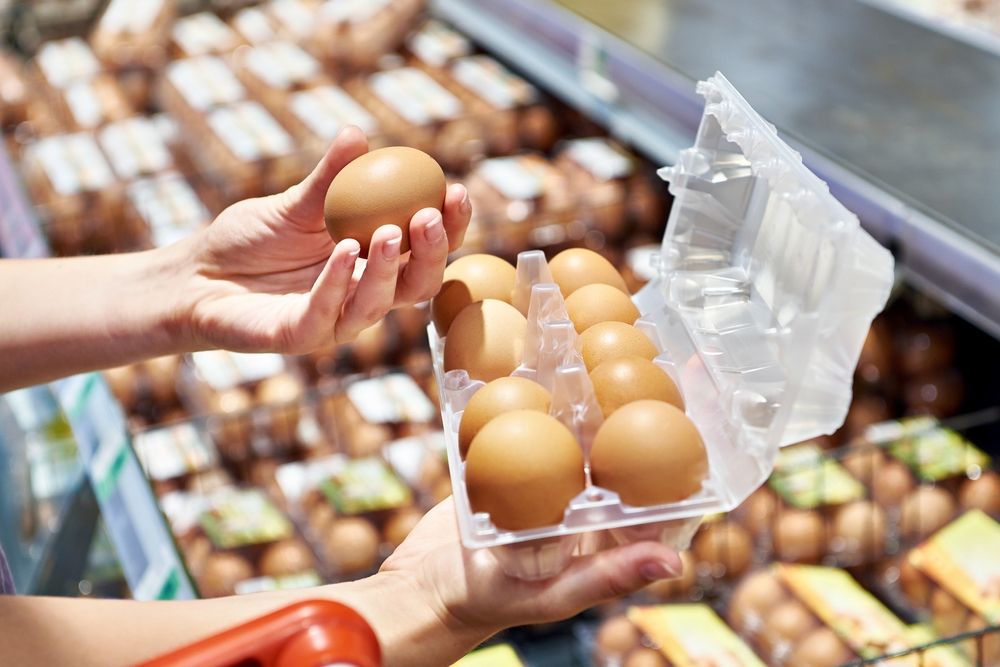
(765, 288)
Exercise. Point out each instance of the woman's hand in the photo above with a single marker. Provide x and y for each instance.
(267, 276)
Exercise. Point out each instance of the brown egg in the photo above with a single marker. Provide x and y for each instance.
(382, 187)
(321, 516)
(891, 483)
(523, 468)
(626, 379)
(196, 554)
(499, 396)
(352, 545)
(572, 269)
(162, 375)
(939, 393)
(875, 362)
(863, 461)
(724, 547)
(617, 636)
(467, 280)
(123, 384)
(486, 340)
(925, 347)
(858, 531)
(799, 536)
(286, 557)
(400, 524)
(645, 657)
(221, 573)
(924, 511)
(915, 585)
(948, 615)
(786, 624)
(281, 394)
(753, 598)
(610, 340)
(982, 493)
(231, 430)
(865, 410)
(370, 346)
(758, 511)
(592, 304)
(679, 587)
(649, 453)
(820, 648)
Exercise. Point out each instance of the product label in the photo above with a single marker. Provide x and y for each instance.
(204, 33)
(250, 132)
(327, 109)
(237, 518)
(365, 485)
(297, 479)
(692, 635)
(205, 82)
(281, 65)
(169, 206)
(183, 510)
(963, 559)
(134, 146)
(939, 453)
(806, 478)
(600, 158)
(261, 584)
(73, 163)
(351, 11)
(415, 96)
(132, 17)
(406, 455)
(944, 655)
(223, 370)
(861, 621)
(84, 103)
(173, 451)
(66, 60)
(501, 655)
(493, 82)
(391, 399)
(295, 16)
(254, 26)
(511, 177)
(437, 44)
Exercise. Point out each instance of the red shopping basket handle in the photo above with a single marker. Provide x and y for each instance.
(313, 633)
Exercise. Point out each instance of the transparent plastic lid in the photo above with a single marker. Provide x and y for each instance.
(769, 282)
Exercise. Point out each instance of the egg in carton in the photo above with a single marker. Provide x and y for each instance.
(351, 35)
(164, 208)
(435, 45)
(178, 457)
(202, 34)
(273, 71)
(416, 110)
(192, 87)
(765, 288)
(76, 193)
(14, 90)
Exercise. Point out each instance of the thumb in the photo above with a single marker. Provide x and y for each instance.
(304, 200)
(591, 580)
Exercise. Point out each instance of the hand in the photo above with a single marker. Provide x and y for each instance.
(470, 597)
(267, 275)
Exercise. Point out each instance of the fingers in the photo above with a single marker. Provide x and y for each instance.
(376, 289)
(304, 201)
(607, 575)
(457, 213)
(421, 278)
(316, 323)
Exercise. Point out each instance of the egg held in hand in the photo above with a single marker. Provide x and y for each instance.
(383, 187)
(649, 453)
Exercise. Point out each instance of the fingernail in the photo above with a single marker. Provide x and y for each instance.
(352, 254)
(434, 230)
(390, 249)
(657, 569)
(465, 205)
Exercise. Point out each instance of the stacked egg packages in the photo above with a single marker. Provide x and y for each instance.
(560, 416)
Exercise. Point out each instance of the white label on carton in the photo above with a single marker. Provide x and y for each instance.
(173, 451)
(67, 60)
(223, 370)
(203, 33)
(295, 16)
(297, 479)
(183, 509)
(600, 158)
(391, 399)
(327, 109)
(493, 82)
(169, 206)
(511, 178)
(131, 17)
(281, 65)
(134, 146)
(351, 11)
(84, 104)
(437, 45)
(73, 163)
(406, 455)
(253, 25)
(415, 96)
(205, 82)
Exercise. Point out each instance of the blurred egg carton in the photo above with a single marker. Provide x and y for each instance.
(765, 287)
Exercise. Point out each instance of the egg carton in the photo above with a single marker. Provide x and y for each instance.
(764, 290)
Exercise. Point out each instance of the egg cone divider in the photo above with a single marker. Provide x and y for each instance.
(532, 269)
(575, 405)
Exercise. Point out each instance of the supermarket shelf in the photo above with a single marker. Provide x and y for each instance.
(873, 92)
(973, 35)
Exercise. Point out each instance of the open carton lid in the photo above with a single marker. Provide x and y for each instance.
(770, 285)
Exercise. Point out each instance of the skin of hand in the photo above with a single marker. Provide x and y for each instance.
(430, 604)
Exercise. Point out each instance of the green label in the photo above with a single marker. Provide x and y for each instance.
(938, 454)
(170, 587)
(241, 518)
(806, 478)
(366, 485)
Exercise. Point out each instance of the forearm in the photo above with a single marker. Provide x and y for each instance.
(64, 631)
(65, 316)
